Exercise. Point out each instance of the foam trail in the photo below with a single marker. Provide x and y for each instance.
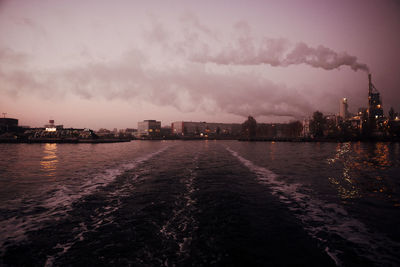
(101, 218)
(57, 206)
(182, 224)
(321, 219)
(64, 196)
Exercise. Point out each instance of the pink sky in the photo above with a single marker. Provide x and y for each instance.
(113, 63)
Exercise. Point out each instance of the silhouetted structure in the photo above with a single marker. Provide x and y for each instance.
(317, 124)
(8, 124)
(249, 128)
(343, 111)
(375, 109)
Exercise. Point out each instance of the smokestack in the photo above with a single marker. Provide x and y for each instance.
(369, 84)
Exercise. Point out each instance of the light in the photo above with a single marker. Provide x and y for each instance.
(51, 129)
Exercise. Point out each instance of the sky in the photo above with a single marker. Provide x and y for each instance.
(109, 64)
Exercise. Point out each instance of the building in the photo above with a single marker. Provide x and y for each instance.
(362, 112)
(205, 129)
(166, 132)
(8, 124)
(130, 132)
(343, 110)
(375, 108)
(306, 127)
(51, 127)
(149, 128)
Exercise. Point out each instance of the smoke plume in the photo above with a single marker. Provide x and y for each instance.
(245, 50)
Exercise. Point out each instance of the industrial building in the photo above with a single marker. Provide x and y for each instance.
(370, 120)
(375, 108)
(343, 110)
(149, 128)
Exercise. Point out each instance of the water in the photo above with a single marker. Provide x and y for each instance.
(179, 203)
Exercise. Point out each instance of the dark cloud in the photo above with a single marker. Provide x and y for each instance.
(189, 88)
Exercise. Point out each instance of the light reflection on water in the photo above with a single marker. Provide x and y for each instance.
(272, 150)
(362, 167)
(346, 184)
(49, 161)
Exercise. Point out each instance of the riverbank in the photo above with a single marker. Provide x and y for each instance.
(61, 140)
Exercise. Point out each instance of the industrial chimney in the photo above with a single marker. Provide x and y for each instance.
(369, 84)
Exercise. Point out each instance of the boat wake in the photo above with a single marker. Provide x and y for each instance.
(56, 206)
(326, 221)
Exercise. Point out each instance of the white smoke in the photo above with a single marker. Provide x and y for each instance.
(278, 52)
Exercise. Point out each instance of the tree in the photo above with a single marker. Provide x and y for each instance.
(392, 114)
(317, 124)
(249, 127)
(295, 128)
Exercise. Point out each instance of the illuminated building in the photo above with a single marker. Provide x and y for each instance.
(149, 128)
(51, 127)
(204, 129)
(375, 109)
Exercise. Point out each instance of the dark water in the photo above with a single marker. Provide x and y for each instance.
(200, 203)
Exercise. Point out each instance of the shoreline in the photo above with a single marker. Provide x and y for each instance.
(62, 141)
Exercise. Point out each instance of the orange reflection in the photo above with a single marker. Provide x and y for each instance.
(381, 158)
(346, 185)
(272, 150)
(357, 159)
(49, 160)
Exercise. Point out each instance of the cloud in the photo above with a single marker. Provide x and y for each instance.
(188, 88)
(9, 57)
(190, 20)
(188, 85)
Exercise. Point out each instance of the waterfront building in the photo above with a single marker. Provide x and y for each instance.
(8, 124)
(306, 127)
(204, 129)
(149, 128)
(51, 127)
